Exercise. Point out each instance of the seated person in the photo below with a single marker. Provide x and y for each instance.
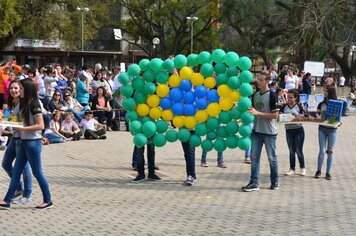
(102, 107)
(56, 103)
(351, 97)
(92, 128)
(53, 134)
(74, 106)
(69, 128)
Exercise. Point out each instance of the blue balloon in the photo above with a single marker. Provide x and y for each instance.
(178, 109)
(185, 85)
(212, 96)
(189, 110)
(200, 91)
(189, 97)
(175, 94)
(201, 104)
(165, 103)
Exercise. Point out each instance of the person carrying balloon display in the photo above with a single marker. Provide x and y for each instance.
(265, 130)
(141, 163)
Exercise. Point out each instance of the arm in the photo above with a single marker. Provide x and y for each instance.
(267, 115)
(38, 126)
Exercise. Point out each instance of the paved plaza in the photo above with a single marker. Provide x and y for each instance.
(93, 193)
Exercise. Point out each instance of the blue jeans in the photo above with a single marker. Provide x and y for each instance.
(28, 150)
(150, 159)
(295, 141)
(248, 153)
(135, 157)
(219, 160)
(54, 138)
(189, 155)
(9, 157)
(327, 140)
(79, 115)
(258, 139)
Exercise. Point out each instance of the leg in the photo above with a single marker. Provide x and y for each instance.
(135, 157)
(220, 157)
(290, 135)
(189, 155)
(299, 142)
(256, 149)
(322, 146)
(108, 115)
(203, 157)
(8, 159)
(90, 134)
(330, 151)
(270, 145)
(151, 158)
(100, 132)
(141, 160)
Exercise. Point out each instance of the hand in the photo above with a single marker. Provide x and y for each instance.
(253, 111)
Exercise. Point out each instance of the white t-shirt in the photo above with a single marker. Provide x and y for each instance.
(69, 126)
(88, 124)
(342, 81)
(117, 84)
(291, 81)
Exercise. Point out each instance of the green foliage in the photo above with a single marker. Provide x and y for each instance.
(9, 18)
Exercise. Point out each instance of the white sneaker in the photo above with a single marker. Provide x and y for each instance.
(290, 172)
(302, 172)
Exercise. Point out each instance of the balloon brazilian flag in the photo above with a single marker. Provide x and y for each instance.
(206, 93)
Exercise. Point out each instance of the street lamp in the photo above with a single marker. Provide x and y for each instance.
(155, 42)
(83, 10)
(192, 20)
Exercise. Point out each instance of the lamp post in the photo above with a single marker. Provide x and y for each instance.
(192, 20)
(83, 10)
(155, 42)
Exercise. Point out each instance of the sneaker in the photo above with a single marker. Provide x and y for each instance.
(103, 137)
(47, 206)
(328, 176)
(189, 181)
(153, 176)
(317, 174)
(274, 186)
(134, 168)
(139, 178)
(302, 172)
(22, 200)
(250, 187)
(2, 148)
(156, 168)
(5, 206)
(290, 172)
(18, 194)
(222, 165)
(203, 164)
(247, 160)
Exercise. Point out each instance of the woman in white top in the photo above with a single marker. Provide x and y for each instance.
(291, 80)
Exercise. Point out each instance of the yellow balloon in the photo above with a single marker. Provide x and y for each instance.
(201, 116)
(190, 122)
(174, 81)
(162, 90)
(213, 109)
(178, 121)
(224, 90)
(185, 72)
(197, 79)
(209, 82)
(153, 100)
(225, 104)
(143, 109)
(167, 115)
(235, 96)
(155, 113)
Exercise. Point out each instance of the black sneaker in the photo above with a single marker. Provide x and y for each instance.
(189, 181)
(139, 178)
(5, 206)
(156, 168)
(153, 176)
(250, 187)
(274, 186)
(328, 176)
(317, 174)
(103, 137)
(47, 206)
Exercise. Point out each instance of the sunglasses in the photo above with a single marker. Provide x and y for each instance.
(66, 95)
(57, 95)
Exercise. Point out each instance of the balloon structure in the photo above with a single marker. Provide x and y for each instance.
(202, 99)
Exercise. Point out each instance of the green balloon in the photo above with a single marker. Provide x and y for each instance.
(134, 70)
(140, 97)
(124, 78)
(244, 63)
(221, 79)
(234, 82)
(126, 91)
(220, 68)
(149, 88)
(232, 141)
(232, 71)
(183, 135)
(231, 59)
(219, 145)
(144, 64)
(140, 140)
(204, 57)
(156, 64)
(245, 89)
(171, 135)
(244, 143)
(212, 123)
(149, 129)
(244, 104)
(245, 130)
(195, 140)
(207, 145)
(232, 127)
(148, 76)
(246, 76)
(211, 135)
(138, 83)
(192, 60)
(132, 115)
(235, 113)
(224, 117)
(159, 140)
(180, 61)
(207, 70)
(145, 119)
(162, 77)
(218, 55)
(201, 129)
(162, 126)
(135, 127)
(247, 118)
(221, 132)
(129, 104)
(168, 65)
